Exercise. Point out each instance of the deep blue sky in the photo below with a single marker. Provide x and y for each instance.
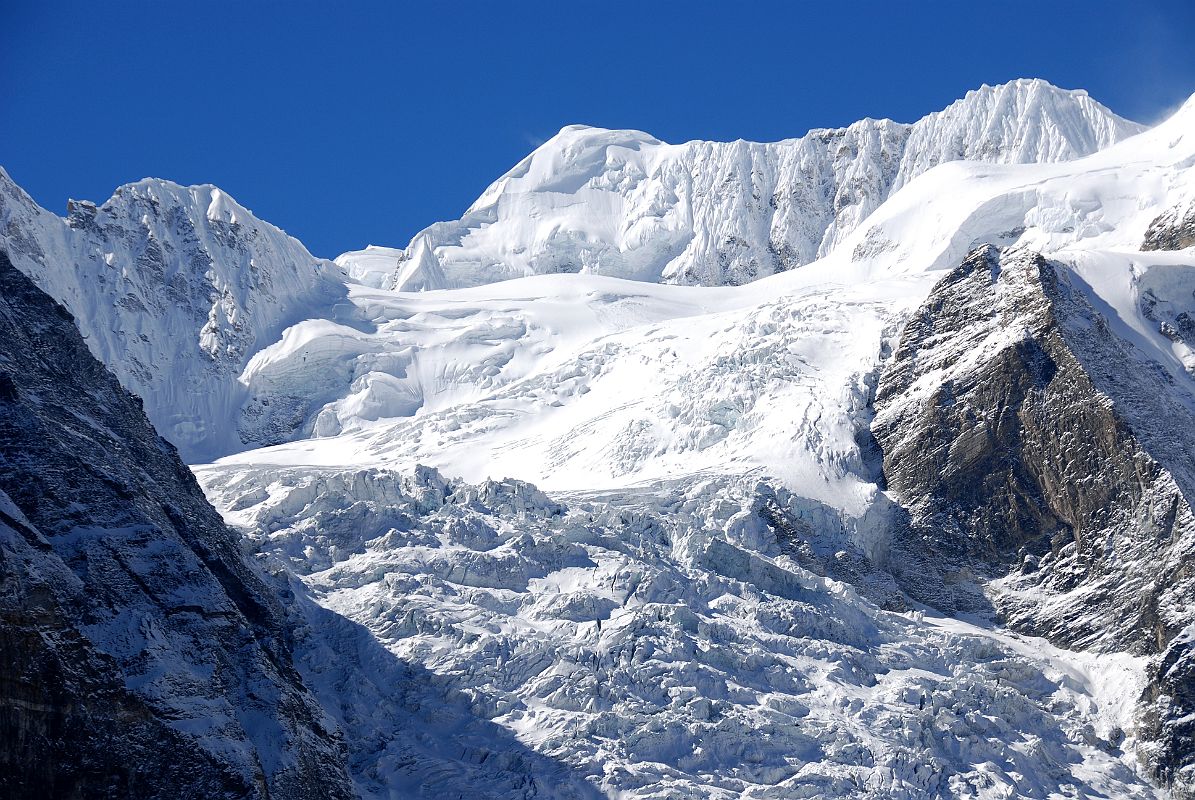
(364, 124)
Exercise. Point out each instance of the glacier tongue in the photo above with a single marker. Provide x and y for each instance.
(624, 204)
(665, 642)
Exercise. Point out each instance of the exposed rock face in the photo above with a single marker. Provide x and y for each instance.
(1033, 447)
(1167, 724)
(1173, 229)
(141, 656)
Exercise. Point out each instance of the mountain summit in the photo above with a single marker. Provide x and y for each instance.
(622, 203)
(175, 288)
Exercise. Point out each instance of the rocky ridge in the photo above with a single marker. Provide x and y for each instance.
(1046, 468)
(140, 654)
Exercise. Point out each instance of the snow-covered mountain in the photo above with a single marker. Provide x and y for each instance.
(178, 288)
(570, 380)
(912, 520)
(624, 204)
(175, 288)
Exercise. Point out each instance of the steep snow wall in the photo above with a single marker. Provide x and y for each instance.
(174, 288)
(625, 204)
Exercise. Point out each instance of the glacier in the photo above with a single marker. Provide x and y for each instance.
(626, 465)
(707, 455)
(667, 642)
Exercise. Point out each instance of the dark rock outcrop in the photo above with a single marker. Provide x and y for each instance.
(1167, 724)
(141, 655)
(1046, 468)
(1173, 229)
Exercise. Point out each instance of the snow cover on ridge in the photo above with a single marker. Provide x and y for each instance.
(177, 288)
(625, 204)
(174, 288)
(584, 381)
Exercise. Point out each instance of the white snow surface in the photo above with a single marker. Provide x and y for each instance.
(665, 643)
(641, 624)
(592, 382)
(624, 204)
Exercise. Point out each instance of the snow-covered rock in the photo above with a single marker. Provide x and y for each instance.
(141, 654)
(1043, 459)
(175, 289)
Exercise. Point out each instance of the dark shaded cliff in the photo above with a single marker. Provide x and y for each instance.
(141, 655)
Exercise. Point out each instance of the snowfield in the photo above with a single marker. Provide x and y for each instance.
(579, 382)
(625, 204)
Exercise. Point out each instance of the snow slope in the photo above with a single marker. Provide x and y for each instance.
(624, 204)
(584, 381)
